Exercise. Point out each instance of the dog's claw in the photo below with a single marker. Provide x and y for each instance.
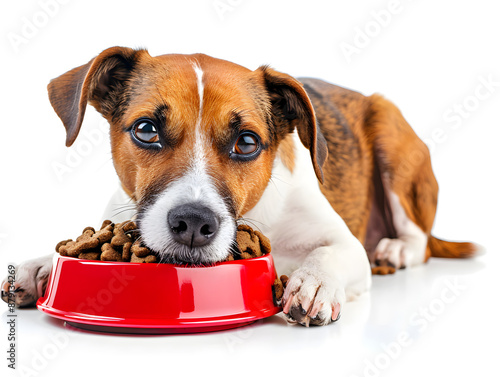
(315, 310)
(335, 312)
(5, 291)
(313, 298)
(287, 304)
(5, 286)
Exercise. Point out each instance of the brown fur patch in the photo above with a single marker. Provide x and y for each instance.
(405, 159)
(286, 152)
(292, 110)
(348, 167)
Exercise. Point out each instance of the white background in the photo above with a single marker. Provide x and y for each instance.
(427, 57)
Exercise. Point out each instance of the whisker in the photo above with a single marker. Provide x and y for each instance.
(275, 186)
(253, 223)
(125, 209)
(277, 177)
(126, 205)
(115, 214)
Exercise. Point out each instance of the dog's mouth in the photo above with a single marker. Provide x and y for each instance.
(181, 254)
(191, 233)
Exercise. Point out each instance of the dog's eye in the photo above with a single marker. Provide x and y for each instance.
(246, 144)
(146, 132)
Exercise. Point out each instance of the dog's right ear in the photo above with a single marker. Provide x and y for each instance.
(290, 102)
(99, 82)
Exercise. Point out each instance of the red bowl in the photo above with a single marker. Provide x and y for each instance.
(153, 298)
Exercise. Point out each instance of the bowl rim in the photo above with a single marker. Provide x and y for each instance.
(186, 266)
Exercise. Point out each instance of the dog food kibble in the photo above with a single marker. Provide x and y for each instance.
(120, 243)
(113, 242)
(251, 244)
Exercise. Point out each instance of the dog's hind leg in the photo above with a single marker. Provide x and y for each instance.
(408, 183)
(410, 192)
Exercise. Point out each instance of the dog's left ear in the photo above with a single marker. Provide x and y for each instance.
(290, 103)
(100, 82)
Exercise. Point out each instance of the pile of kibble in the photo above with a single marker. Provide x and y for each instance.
(113, 242)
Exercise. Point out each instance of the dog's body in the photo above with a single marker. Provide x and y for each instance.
(200, 143)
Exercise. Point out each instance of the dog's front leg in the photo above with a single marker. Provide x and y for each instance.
(29, 283)
(329, 276)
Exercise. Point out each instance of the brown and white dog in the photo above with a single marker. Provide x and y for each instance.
(200, 144)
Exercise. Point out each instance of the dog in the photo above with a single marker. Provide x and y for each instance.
(338, 181)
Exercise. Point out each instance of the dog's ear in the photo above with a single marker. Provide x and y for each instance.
(290, 103)
(100, 82)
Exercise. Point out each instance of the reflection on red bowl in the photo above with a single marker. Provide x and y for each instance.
(159, 298)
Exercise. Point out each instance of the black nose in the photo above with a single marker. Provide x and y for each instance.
(192, 224)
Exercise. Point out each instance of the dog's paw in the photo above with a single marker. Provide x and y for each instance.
(390, 253)
(31, 279)
(313, 298)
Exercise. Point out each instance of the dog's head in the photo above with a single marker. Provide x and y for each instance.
(193, 139)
